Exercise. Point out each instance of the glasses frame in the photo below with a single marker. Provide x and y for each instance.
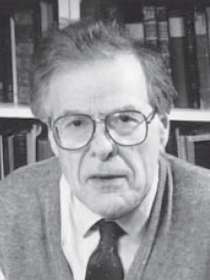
(147, 120)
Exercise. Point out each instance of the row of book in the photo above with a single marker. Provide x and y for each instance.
(181, 34)
(193, 146)
(22, 145)
(19, 32)
(183, 38)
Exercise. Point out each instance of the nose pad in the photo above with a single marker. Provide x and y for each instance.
(102, 146)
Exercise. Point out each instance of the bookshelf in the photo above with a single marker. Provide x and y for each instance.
(9, 110)
(22, 137)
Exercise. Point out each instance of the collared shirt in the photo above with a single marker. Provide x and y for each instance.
(78, 242)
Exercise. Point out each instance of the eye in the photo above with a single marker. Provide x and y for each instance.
(77, 123)
(125, 118)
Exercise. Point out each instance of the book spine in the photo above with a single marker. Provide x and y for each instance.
(150, 25)
(203, 58)
(178, 59)
(46, 17)
(14, 61)
(163, 34)
(207, 13)
(6, 154)
(2, 63)
(190, 52)
(10, 143)
(20, 149)
(43, 149)
(24, 26)
(31, 142)
(181, 144)
(135, 31)
(6, 75)
(190, 149)
(1, 158)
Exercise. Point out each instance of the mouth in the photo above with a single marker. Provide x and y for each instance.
(108, 183)
(107, 177)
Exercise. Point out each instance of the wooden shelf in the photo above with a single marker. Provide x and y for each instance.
(15, 111)
(190, 115)
(181, 115)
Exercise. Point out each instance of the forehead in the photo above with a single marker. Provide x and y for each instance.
(99, 87)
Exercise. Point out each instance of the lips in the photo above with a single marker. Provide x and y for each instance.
(106, 177)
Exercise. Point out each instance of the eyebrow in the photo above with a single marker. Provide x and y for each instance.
(126, 107)
(123, 108)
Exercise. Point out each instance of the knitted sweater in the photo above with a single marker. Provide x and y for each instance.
(176, 246)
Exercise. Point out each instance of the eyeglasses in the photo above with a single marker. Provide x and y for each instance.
(126, 128)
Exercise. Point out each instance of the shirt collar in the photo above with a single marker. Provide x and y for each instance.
(82, 215)
(85, 218)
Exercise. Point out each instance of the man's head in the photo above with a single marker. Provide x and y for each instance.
(106, 101)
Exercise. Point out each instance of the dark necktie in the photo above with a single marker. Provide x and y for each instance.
(105, 263)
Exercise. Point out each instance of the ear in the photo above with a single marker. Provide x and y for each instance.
(164, 130)
(53, 145)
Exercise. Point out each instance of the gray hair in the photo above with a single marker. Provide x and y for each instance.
(86, 41)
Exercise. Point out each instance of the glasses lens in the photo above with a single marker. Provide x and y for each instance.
(73, 131)
(127, 127)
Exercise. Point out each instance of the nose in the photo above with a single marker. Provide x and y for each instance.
(102, 146)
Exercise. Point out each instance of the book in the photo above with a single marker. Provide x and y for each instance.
(31, 142)
(178, 58)
(191, 58)
(24, 36)
(181, 144)
(14, 88)
(20, 149)
(44, 150)
(207, 13)
(203, 58)
(150, 25)
(8, 153)
(163, 34)
(1, 158)
(135, 31)
(6, 75)
(191, 141)
(46, 17)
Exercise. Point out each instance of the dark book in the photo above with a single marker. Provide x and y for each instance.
(203, 58)
(135, 30)
(191, 57)
(44, 150)
(207, 12)
(1, 158)
(24, 36)
(7, 138)
(20, 149)
(8, 153)
(163, 34)
(6, 75)
(150, 25)
(178, 59)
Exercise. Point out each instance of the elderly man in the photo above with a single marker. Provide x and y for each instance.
(111, 204)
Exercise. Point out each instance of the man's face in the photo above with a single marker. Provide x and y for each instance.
(110, 179)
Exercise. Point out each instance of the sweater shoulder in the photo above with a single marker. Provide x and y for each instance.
(25, 184)
(191, 183)
(185, 172)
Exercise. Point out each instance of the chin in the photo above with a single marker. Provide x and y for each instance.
(111, 209)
